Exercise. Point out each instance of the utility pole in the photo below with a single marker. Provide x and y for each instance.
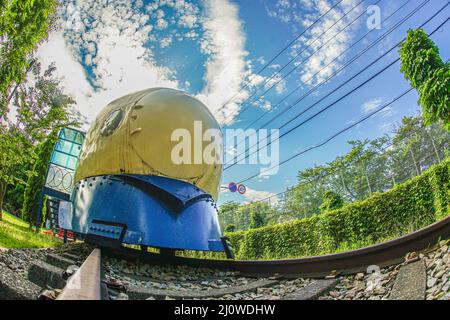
(414, 160)
(434, 146)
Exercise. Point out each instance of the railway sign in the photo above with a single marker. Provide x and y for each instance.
(242, 189)
(233, 187)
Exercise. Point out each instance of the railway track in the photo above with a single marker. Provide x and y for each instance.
(129, 274)
(85, 283)
(383, 255)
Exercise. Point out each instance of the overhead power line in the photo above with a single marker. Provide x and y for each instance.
(336, 101)
(331, 137)
(345, 129)
(331, 173)
(290, 44)
(316, 87)
(392, 143)
(266, 81)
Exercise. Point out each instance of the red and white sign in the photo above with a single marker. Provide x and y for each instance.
(233, 187)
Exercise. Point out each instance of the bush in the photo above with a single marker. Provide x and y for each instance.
(403, 209)
(230, 228)
(32, 194)
(331, 201)
(256, 220)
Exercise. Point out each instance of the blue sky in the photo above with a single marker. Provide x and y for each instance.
(212, 48)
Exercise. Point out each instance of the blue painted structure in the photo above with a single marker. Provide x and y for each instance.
(146, 210)
(61, 170)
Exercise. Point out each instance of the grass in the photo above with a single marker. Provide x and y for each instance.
(15, 234)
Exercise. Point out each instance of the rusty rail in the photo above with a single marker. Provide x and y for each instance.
(382, 255)
(85, 284)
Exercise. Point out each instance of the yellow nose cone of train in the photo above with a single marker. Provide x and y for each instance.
(133, 135)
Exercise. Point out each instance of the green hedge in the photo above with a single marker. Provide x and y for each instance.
(403, 209)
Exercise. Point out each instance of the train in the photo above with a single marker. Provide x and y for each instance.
(127, 188)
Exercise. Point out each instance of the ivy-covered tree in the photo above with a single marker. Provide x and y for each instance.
(23, 25)
(36, 180)
(428, 74)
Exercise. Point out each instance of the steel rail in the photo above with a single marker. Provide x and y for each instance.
(85, 284)
(382, 255)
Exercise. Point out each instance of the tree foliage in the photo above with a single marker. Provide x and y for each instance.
(428, 74)
(405, 208)
(369, 167)
(331, 201)
(227, 213)
(23, 25)
(36, 180)
(40, 107)
(256, 219)
(230, 228)
(251, 215)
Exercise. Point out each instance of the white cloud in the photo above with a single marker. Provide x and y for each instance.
(226, 68)
(372, 105)
(387, 112)
(114, 36)
(188, 21)
(161, 24)
(160, 14)
(267, 106)
(274, 66)
(111, 38)
(257, 79)
(255, 195)
(71, 73)
(165, 42)
(300, 15)
(280, 87)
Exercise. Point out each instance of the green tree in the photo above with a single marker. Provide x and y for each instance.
(304, 200)
(257, 214)
(14, 149)
(227, 213)
(256, 220)
(36, 181)
(245, 216)
(331, 201)
(370, 166)
(23, 25)
(428, 74)
(230, 228)
(40, 108)
(409, 142)
(14, 197)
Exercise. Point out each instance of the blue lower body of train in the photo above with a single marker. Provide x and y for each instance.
(146, 211)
